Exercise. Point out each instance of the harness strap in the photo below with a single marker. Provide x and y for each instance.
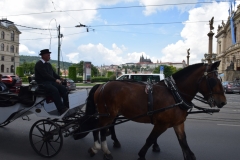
(149, 91)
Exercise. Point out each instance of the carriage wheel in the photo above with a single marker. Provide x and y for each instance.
(46, 138)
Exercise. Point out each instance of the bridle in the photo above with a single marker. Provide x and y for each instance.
(211, 82)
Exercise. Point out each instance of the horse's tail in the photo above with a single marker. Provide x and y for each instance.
(87, 122)
(90, 104)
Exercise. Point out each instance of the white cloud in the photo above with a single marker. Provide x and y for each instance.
(98, 54)
(153, 9)
(24, 50)
(195, 34)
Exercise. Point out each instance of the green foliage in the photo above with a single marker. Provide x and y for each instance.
(79, 68)
(34, 59)
(28, 67)
(99, 79)
(168, 70)
(19, 71)
(72, 73)
(94, 71)
(79, 79)
(24, 79)
(112, 77)
(109, 73)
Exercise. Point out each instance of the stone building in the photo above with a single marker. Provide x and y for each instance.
(227, 51)
(9, 47)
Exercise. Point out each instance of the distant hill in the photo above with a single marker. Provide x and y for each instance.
(34, 59)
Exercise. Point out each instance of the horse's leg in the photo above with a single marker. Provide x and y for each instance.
(93, 150)
(155, 147)
(107, 153)
(116, 143)
(187, 153)
(156, 132)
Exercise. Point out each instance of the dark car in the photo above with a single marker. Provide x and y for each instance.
(70, 84)
(9, 79)
(231, 87)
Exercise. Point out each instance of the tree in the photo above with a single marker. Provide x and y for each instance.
(72, 73)
(28, 67)
(168, 70)
(79, 67)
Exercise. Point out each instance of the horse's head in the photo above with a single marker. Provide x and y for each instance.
(210, 86)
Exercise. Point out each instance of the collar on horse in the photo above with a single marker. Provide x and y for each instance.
(170, 83)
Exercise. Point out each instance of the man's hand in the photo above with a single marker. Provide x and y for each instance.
(58, 81)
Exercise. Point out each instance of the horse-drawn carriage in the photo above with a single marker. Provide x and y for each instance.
(164, 104)
(45, 135)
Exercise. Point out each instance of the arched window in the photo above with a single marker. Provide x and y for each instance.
(12, 49)
(2, 35)
(2, 58)
(2, 47)
(12, 35)
(12, 69)
(2, 68)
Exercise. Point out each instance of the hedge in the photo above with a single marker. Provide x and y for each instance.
(99, 79)
(19, 71)
(72, 73)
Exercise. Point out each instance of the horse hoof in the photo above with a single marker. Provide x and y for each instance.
(116, 145)
(91, 153)
(155, 149)
(107, 157)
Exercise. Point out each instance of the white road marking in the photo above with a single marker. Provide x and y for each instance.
(232, 125)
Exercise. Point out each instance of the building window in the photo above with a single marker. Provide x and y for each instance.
(2, 47)
(2, 58)
(12, 49)
(12, 69)
(2, 68)
(12, 59)
(2, 35)
(12, 36)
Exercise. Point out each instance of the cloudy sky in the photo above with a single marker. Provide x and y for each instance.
(120, 31)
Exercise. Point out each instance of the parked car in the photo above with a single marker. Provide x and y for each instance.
(231, 87)
(9, 79)
(142, 77)
(70, 84)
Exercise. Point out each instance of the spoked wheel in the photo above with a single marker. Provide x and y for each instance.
(45, 138)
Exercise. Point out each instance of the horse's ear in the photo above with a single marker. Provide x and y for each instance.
(215, 65)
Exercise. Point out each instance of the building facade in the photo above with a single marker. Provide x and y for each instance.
(9, 47)
(227, 51)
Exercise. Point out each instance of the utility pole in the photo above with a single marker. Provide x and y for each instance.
(59, 49)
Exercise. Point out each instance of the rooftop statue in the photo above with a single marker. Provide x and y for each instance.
(211, 23)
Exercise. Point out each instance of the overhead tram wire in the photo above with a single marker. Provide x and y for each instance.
(142, 24)
(110, 8)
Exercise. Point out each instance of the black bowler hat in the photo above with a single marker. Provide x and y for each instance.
(44, 51)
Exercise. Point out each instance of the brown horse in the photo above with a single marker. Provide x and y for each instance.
(171, 99)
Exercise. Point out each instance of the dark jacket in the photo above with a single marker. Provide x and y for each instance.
(44, 72)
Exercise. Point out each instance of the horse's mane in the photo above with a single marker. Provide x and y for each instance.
(186, 71)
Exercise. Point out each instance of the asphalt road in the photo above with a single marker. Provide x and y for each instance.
(210, 137)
